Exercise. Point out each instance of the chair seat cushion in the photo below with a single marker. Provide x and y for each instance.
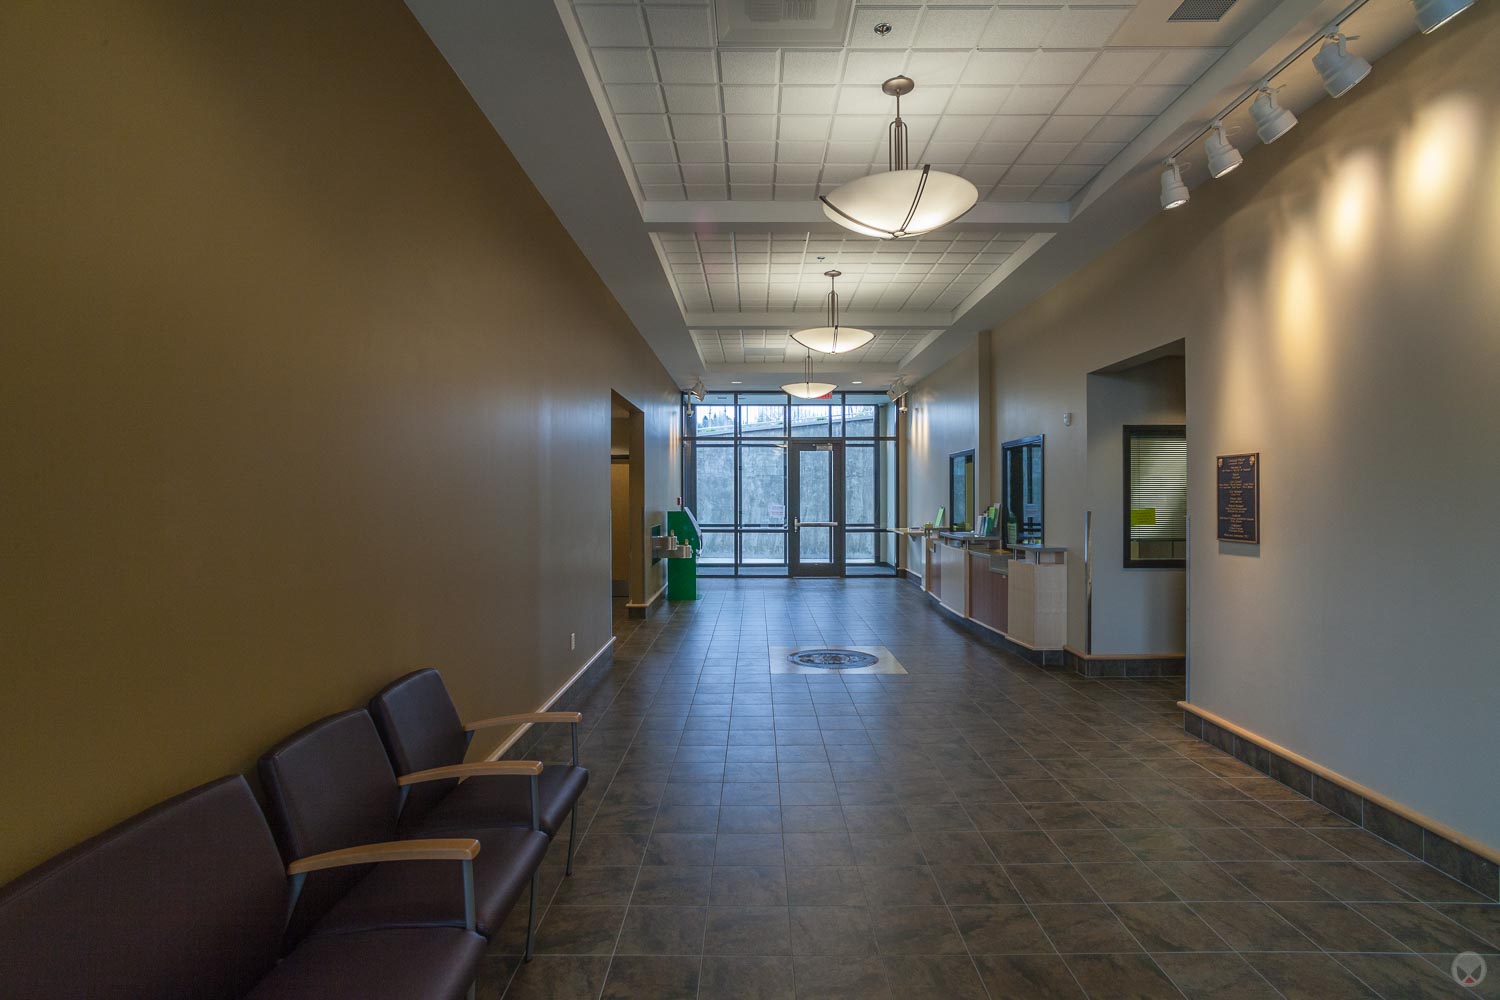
(505, 801)
(431, 894)
(435, 963)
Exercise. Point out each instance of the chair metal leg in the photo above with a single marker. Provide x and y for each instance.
(572, 837)
(531, 915)
(473, 989)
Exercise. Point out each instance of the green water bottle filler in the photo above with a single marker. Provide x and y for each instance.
(682, 572)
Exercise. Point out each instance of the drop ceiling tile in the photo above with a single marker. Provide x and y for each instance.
(1147, 100)
(687, 66)
(749, 66)
(1056, 67)
(750, 100)
(1094, 153)
(1118, 66)
(658, 173)
(752, 152)
(680, 27)
(1091, 100)
(1007, 128)
(796, 192)
(799, 127)
(703, 173)
(931, 68)
(612, 27)
(800, 152)
(949, 28)
(864, 101)
(960, 128)
(1034, 100)
(1053, 192)
(922, 101)
(1181, 67)
(1072, 176)
(691, 100)
(1029, 174)
(700, 152)
(1119, 128)
(651, 152)
(968, 100)
(996, 67)
(842, 173)
(947, 153)
(851, 152)
(749, 128)
(858, 128)
(634, 98)
(640, 127)
(807, 100)
(625, 65)
(979, 176)
(1046, 152)
(1086, 28)
(997, 152)
(872, 68)
(751, 173)
(797, 173)
(810, 65)
(1067, 128)
(1019, 27)
(690, 127)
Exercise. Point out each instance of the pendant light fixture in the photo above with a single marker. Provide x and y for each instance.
(1339, 68)
(904, 201)
(833, 339)
(807, 388)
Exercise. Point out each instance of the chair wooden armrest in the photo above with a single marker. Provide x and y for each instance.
(520, 768)
(453, 849)
(516, 720)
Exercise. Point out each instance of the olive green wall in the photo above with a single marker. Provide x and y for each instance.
(303, 387)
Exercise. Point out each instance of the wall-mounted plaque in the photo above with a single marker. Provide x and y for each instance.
(1239, 498)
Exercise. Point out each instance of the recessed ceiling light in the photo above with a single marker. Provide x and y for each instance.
(735, 382)
(856, 382)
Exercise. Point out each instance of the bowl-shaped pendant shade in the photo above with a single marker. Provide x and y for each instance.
(900, 203)
(808, 390)
(833, 339)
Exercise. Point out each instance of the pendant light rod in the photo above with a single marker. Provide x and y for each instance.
(898, 152)
(1275, 71)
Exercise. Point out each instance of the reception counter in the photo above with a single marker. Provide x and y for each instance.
(1017, 591)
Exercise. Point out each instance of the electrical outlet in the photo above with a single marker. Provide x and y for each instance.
(572, 640)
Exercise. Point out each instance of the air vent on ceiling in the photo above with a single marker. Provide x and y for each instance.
(782, 22)
(1201, 10)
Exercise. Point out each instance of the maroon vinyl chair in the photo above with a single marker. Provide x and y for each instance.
(422, 731)
(330, 787)
(189, 900)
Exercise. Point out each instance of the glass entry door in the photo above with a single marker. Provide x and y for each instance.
(817, 508)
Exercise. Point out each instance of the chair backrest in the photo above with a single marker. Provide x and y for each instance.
(421, 730)
(329, 786)
(186, 900)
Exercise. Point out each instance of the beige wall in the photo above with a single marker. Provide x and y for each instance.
(1338, 297)
(942, 418)
(304, 387)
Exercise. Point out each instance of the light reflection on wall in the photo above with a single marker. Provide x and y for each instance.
(1435, 163)
(1350, 205)
(1300, 310)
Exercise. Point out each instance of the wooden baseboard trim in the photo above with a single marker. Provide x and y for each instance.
(1427, 823)
(510, 740)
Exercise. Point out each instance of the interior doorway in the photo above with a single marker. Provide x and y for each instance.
(626, 498)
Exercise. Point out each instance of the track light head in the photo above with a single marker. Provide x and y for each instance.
(1433, 14)
(697, 392)
(1174, 193)
(1222, 156)
(1272, 121)
(1339, 68)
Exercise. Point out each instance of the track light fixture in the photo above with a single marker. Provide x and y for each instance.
(833, 339)
(1272, 121)
(1223, 158)
(903, 201)
(1433, 14)
(1339, 68)
(1174, 193)
(698, 391)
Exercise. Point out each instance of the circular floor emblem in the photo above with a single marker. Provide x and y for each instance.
(1468, 969)
(833, 659)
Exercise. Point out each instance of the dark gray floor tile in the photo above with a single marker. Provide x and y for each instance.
(1122, 977)
(747, 930)
(933, 977)
(832, 977)
(1050, 884)
(746, 978)
(662, 930)
(1084, 928)
(1252, 926)
(640, 977)
(579, 930)
(596, 885)
(832, 930)
(900, 886)
(555, 977)
(1130, 881)
(671, 885)
(749, 849)
(748, 886)
(1026, 847)
(1033, 977)
(1214, 977)
(1334, 926)
(1406, 977)
(1167, 927)
(915, 930)
(680, 849)
(1309, 976)
(1001, 930)
(825, 886)
(974, 885)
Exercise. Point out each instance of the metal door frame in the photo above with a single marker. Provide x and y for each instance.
(795, 566)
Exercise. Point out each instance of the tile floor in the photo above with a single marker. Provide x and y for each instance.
(976, 828)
